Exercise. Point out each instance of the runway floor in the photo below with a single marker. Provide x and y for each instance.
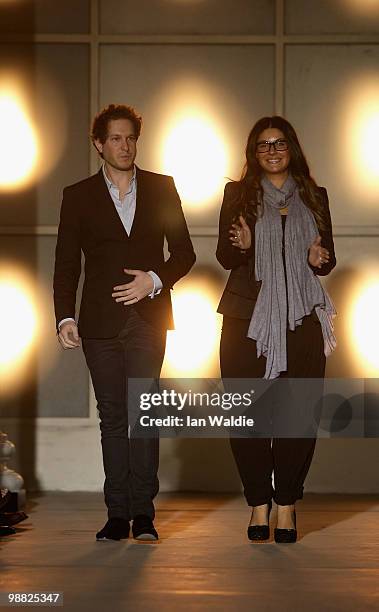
(203, 560)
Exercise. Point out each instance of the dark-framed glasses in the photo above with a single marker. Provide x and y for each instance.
(264, 146)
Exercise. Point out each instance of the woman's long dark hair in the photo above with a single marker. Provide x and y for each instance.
(251, 193)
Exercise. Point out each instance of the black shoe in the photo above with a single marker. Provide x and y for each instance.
(116, 528)
(258, 533)
(143, 528)
(6, 530)
(286, 536)
(12, 518)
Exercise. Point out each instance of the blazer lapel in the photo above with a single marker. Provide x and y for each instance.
(142, 201)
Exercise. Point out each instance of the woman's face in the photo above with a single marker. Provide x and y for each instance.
(272, 152)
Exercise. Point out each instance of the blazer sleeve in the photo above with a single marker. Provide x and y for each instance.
(182, 256)
(67, 258)
(229, 256)
(326, 239)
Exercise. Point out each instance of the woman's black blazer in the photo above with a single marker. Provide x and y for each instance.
(241, 291)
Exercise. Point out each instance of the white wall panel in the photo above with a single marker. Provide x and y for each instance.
(331, 16)
(189, 17)
(44, 16)
(331, 94)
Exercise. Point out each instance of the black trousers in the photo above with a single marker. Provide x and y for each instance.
(130, 464)
(257, 458)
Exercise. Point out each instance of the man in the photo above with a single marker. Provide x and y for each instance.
(119, 219)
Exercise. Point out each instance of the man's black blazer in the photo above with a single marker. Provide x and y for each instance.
(241, 291)
(89, 223)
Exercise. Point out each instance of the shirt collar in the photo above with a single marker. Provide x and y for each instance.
(109, 183)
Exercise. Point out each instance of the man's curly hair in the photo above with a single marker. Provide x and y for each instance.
(100, 124)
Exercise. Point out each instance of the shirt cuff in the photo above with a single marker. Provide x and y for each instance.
(65, 321)
(158, 286)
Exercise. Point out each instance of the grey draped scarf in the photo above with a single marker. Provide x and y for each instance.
(276, 305)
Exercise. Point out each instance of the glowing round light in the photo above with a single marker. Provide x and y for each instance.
(365, 327)
(368, 129)
(18, 151)
(361, 129)
(17, 323)
(195, 156)
(193, 342)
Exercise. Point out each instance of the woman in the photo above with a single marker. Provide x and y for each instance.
(275, 236)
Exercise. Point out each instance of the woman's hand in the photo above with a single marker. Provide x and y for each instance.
(317, 255)
(241, 234)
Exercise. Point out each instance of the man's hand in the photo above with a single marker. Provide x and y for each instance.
(131, 293)
(317, 255)
(68, 335)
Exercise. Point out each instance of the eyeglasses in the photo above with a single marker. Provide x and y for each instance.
(264, 146)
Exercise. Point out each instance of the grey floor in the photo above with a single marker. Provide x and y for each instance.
(203, 560)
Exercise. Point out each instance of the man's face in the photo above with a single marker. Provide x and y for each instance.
(120, 147)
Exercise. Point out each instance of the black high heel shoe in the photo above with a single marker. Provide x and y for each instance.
(259, 533)
(286, 536)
